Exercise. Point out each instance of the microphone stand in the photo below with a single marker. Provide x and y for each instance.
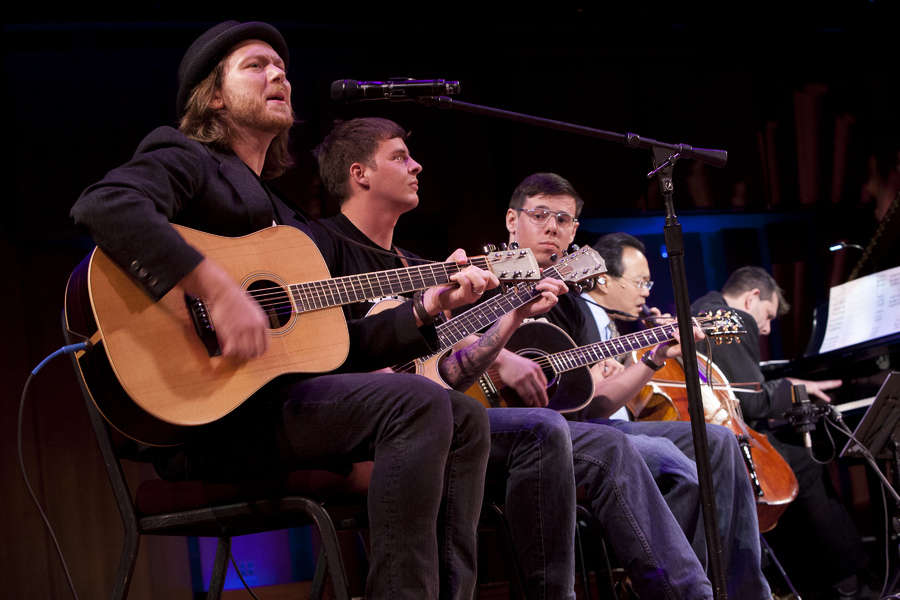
(664, 164)
(664, 158)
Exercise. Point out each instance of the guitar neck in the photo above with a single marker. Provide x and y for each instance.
(315, 295)
(479, 317)
(568, 360)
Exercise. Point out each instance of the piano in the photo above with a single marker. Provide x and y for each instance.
(855, 338)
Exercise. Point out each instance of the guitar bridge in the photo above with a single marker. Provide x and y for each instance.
(203, 324)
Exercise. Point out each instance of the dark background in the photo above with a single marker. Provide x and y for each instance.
(799, 97)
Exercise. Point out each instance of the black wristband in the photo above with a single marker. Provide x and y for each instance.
(647, 359)
(419, 308)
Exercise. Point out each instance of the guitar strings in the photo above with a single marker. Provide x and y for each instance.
(313, 292)
(574, 355)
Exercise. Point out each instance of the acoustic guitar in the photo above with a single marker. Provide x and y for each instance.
(570, 385)
(164, 355)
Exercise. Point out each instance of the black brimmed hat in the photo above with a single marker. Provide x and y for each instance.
(208, 49)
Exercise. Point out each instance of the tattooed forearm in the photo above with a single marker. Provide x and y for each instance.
(463, 367)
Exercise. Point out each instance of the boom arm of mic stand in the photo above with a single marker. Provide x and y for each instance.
(711, 156)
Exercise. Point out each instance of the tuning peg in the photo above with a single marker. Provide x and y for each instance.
(573, 248)
(514, 245)
(589, 284)
(577, 287)
(488, 248)
(553, 257)
(503, 246)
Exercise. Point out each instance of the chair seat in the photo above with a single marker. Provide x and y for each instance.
(157, 496)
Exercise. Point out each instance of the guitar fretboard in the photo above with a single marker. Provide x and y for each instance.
(594, 353)
(315, 295)
(479, 317)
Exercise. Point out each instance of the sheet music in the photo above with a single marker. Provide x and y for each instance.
(863, 309)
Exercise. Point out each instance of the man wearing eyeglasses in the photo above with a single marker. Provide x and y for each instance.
(543, 215)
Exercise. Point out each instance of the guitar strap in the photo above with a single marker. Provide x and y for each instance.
(400, 255)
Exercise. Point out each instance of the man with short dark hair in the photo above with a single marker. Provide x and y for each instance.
(429, 445)
(823, 524)
(543, 216)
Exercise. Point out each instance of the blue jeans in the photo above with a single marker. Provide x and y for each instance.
(430, 448)
(536, 460)
(668, 449)
(530, 471)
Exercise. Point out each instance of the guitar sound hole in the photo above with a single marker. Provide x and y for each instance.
(538, 356)
(274, 301)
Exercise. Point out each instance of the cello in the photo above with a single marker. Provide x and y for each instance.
(664, 398)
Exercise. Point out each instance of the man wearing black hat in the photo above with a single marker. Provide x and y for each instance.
(430, 445)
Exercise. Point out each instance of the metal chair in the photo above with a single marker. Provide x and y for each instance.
(225, 510)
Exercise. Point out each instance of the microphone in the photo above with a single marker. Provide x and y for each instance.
(350, 90)
(803, 415)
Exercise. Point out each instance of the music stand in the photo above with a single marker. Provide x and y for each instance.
(880, 424)
(879, 434)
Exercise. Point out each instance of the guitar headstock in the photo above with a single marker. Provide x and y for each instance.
(513, 264)
(724, 326)
(578, 265)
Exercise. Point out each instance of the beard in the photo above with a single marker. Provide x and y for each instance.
(251, 112)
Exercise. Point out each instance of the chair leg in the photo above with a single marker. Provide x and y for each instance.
(588, 524)
(582, 567)
(130, 546)
(609, 569)
(318, 582)
(331, 550)
(517, 578)
(220, 568)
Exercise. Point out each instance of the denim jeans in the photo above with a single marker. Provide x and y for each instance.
(430, 448)
(668, 449)
(644, 535)
(536, 460)
(530, 472)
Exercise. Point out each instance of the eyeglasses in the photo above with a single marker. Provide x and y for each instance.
(642, 284)
(539, 216)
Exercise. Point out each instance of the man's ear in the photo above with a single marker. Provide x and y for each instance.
(359, 175)
(512, 221)
(752, 297)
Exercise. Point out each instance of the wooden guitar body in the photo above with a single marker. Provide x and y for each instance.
(566, 392)
(154, 352)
